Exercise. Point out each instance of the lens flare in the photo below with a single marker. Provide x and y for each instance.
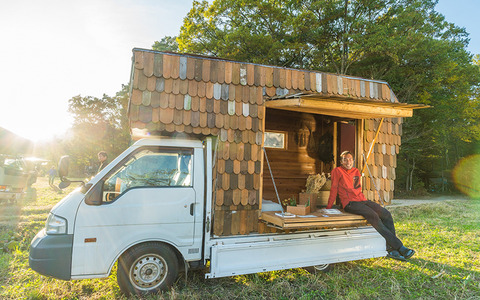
(466, 176)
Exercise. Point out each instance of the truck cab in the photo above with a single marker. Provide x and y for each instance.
(152, 194)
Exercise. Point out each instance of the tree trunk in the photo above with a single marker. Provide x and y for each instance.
(411, 174)
(344, 50)
(447, 161)
(408, 175)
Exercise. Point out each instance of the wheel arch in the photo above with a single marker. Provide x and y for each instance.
(178, 254)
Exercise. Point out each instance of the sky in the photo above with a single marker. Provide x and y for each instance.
(53, 50)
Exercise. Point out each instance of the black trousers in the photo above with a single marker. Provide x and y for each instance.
(378, 217)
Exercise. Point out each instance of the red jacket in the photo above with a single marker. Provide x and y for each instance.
(347, 183)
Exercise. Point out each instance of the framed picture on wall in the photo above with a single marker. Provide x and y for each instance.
(275, 140)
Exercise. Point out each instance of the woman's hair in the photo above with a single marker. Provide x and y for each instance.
(345, 153)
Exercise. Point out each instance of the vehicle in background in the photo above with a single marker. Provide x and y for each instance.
(17, 175)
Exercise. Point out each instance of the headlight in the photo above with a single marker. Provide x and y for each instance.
(56, 225)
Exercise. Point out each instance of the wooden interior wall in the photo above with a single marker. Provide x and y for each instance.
(291, 166)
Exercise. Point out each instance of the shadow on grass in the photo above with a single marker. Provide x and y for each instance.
(441, 269)
(422, 278)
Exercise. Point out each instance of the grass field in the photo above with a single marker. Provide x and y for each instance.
(445, 235)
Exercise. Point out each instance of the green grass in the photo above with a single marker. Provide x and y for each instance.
(446, 236)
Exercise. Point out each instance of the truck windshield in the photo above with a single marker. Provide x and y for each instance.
(13, 166)
(151, 167)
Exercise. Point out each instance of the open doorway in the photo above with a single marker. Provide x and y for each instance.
(300, 144)
(297, 145)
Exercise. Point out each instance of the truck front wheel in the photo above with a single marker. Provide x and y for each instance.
(147, 268)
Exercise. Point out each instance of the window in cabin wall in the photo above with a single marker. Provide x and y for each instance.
(275, 139)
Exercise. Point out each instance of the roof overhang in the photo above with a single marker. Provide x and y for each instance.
(317, 103)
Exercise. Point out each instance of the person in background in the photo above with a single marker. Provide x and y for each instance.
(102, 158)
(52, 173)
(346, 182)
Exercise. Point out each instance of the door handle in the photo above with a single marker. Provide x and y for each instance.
(191, 209)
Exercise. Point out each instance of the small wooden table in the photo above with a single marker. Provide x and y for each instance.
(317, 219)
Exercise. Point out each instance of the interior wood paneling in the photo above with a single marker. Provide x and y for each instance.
(292, 166)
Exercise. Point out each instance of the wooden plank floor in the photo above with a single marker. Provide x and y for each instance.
(318, 219)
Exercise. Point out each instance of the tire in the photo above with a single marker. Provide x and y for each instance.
(147, 269)
(318, 269)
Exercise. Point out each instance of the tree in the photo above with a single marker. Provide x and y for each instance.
(438, 137)
(98, 124)
(167, 43)
(405, 42)
(319, 35)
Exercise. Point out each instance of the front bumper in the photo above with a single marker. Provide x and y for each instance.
(51, 255)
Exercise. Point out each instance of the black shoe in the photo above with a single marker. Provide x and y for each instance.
(406, 252)
(396, 255)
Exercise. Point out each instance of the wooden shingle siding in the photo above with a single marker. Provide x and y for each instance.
(383, 161)
(208, 96)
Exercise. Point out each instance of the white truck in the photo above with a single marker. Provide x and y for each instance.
(150, 210)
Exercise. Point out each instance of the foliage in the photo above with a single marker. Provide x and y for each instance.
(404, 42)
(467, 176)
(318, 35)
(291, 201)
(99, 124)
(167, 43)
(445, 235)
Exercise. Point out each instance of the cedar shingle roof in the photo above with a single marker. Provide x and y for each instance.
(197, 94)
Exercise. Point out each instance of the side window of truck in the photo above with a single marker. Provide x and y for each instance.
(150, 167)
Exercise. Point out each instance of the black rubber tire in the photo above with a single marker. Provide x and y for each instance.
(319, 269)
(147, 269)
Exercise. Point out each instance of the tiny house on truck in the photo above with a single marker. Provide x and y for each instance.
(313, 115)
(224, 142)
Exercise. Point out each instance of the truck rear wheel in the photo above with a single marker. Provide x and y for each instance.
(319, 268)
(147, 268)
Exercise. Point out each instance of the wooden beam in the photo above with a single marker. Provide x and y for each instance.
(371, 145)
(343, 108)
(359, 141)
(335, 143)
(262, 160)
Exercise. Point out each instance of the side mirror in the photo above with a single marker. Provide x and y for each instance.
(63, 166)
